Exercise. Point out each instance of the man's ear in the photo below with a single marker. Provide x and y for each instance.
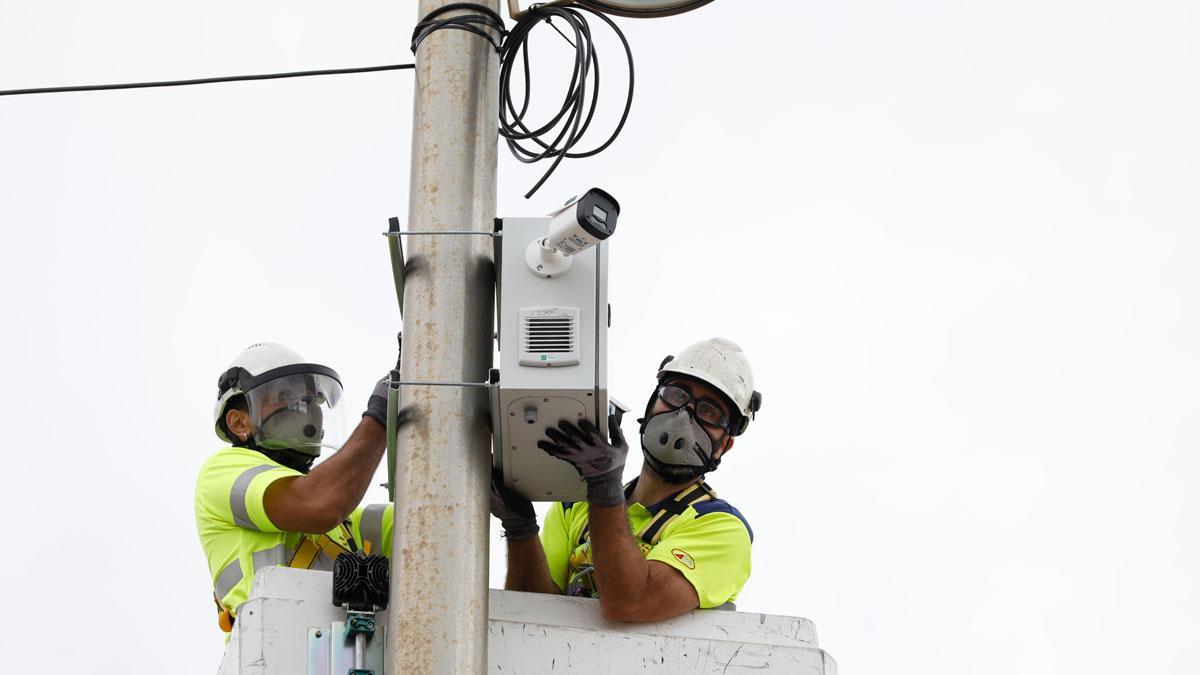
(238, 423)
(725, 447)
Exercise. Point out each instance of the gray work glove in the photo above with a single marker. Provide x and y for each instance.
(599, 462)
(514, 511)
(377, 404)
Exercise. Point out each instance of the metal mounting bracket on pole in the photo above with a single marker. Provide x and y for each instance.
(493, 381)
(396, 251)
(393, 411)
(515, 12)
(483, 385)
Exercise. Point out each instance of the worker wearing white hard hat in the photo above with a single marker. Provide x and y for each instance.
(260, 501)
(664, 543)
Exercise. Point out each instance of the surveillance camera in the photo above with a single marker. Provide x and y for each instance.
(583, 222)
(576, 226)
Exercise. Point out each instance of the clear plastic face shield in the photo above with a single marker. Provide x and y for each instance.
(298, 412)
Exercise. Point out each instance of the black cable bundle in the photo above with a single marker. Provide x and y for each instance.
(568, 127)
(574, 118)
(482, 24)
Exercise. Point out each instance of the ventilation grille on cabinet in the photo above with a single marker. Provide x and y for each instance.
(549, 336)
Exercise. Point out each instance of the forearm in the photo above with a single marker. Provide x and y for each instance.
(527, 570)
(622, 573)
(338, 484)
(632, 588)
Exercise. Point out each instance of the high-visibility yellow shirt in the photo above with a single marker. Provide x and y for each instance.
(238, 537)
(709, 543)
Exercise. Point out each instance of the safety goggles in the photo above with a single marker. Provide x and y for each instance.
(706, 410)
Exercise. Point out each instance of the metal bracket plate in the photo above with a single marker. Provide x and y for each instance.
(329, 654)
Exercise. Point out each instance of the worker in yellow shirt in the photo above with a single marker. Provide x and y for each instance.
(663, 544)
(260, 501)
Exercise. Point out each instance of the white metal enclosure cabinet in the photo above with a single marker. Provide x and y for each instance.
(553, 358)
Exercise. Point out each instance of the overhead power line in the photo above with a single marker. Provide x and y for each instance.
(555, 139)
(206, 80)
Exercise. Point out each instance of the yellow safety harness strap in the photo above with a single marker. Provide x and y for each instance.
(224, 616)
(306, 554)
(669, 511)
(313, 546)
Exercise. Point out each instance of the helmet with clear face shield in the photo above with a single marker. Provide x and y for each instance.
(293, 405)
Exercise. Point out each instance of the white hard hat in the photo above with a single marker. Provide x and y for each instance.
(722, 364)
(270, 362)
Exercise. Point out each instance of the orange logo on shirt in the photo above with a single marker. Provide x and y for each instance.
(684, 558)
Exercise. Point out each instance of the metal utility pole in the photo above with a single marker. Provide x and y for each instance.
(438, 606)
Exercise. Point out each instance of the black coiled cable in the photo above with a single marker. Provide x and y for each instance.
(487, 24)
(558, 136)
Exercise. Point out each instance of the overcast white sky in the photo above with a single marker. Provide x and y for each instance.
(958, 241)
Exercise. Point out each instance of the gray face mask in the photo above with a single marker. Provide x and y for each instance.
(676, 446)
(296, 427)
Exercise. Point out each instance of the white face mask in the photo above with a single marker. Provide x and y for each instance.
(676, 446)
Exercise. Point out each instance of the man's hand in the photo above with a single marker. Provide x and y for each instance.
(599, 462)
(514, 511)
(377, 403)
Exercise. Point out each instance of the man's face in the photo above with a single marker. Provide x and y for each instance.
(270, 398)
(281, 393)
(699, 391)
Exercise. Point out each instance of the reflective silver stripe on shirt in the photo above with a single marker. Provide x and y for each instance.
(276, 555)
(228, 579)
(371, 527)
(237, 496)
(322, 562)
